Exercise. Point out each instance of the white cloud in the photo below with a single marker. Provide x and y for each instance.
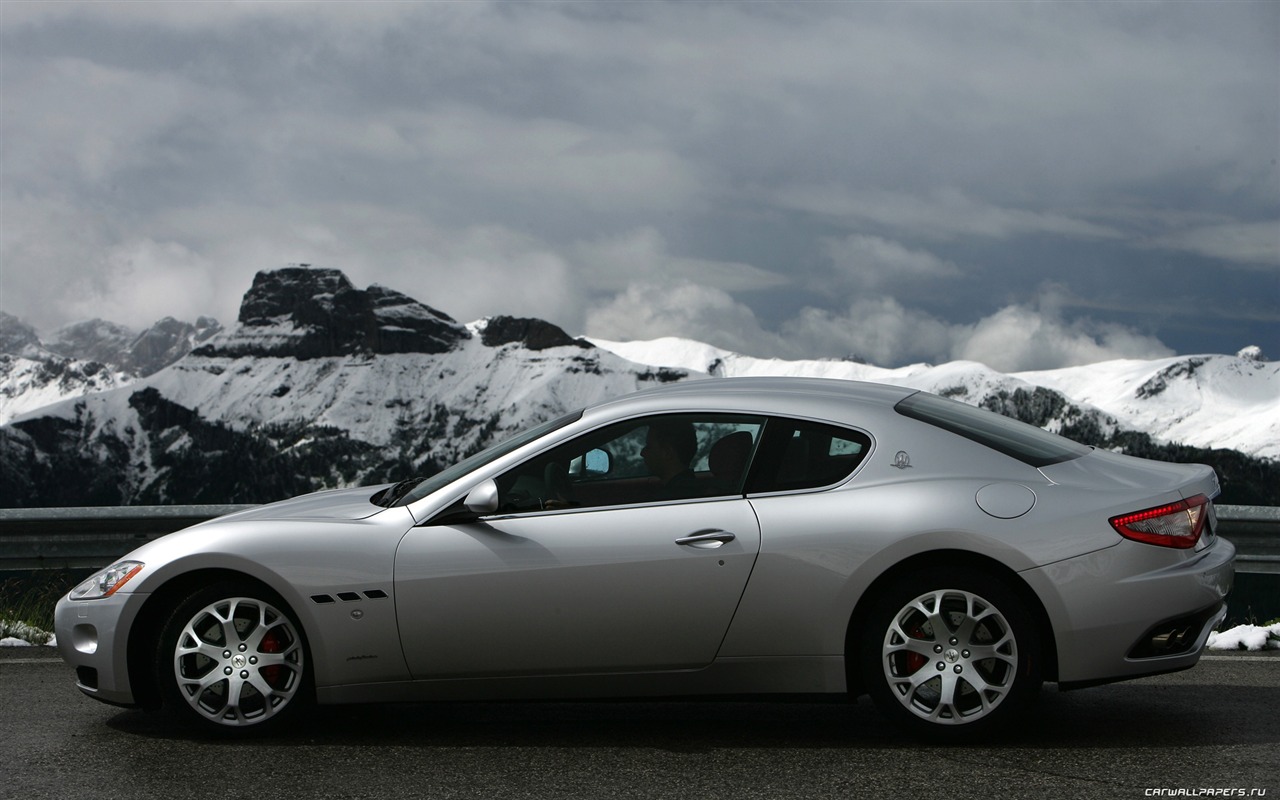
(879, 330)
(141, 282)
(183, 16)
(642, 256)
(866, 263)
(1020, 338)
(549, 159)
(489, 270)
(942, 213)
(1254, 244)
(684, 309)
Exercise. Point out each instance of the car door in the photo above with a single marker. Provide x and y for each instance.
(552, 586)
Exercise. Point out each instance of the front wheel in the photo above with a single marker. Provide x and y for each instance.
(950, 653)
(233, 657)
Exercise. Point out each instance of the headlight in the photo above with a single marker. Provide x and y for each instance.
(106, 582)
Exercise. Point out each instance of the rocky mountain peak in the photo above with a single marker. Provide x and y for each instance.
(305, 312)
(93, 340)
(535, 334)
(167, 341)
(16, 336)
(1252, 353)
(301, 293)
(94, 344)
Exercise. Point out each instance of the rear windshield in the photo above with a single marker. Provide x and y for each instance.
(1027, 443)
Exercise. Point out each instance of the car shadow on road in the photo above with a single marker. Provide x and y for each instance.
(1119, 716)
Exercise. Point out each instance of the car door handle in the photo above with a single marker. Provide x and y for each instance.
(706, 540)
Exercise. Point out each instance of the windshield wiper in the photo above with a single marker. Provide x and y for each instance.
(391, 495)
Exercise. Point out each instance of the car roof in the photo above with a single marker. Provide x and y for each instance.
(778, 394)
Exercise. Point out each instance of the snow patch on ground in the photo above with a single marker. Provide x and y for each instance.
(20, 634)
(1247, 637)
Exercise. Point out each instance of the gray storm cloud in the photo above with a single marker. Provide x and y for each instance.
(896, 180)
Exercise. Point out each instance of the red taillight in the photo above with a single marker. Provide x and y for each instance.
(1174, 525)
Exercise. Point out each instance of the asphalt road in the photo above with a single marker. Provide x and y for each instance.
(1216, 727)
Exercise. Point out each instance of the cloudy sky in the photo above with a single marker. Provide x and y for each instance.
(1028, 185)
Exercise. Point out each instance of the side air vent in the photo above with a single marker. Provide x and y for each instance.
(348, 597)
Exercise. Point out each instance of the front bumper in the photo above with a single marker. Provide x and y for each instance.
(93, 638)
(1114, 610)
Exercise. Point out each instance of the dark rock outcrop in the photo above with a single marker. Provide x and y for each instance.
(304, 313)
(534, 334)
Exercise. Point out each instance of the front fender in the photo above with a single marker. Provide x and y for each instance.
(336, 576)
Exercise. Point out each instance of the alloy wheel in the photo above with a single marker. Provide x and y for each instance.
(949, 657)
(238, 661)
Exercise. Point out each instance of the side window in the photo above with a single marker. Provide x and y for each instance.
(798, 454)
(645, 460)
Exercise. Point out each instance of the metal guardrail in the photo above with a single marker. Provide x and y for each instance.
(1255, 531)
(88, 538)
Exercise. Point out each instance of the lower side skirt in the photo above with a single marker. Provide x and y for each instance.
(813, 675)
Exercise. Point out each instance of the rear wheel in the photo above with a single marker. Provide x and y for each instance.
(233, 657)
(950, 653)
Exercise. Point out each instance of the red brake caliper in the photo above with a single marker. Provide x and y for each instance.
(271, 644)
(914, 660)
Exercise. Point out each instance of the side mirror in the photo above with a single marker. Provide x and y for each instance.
(483, 499)
(598, 462)
(591, 464)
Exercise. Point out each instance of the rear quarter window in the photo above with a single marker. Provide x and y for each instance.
(1027, 443)
(800, 454)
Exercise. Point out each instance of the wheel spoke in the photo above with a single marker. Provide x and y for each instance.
(211, 678)
(921, 677)
(946, 699)
(199, 649)
(964, 631)
(255, 680)
(235, 691)
(982, 652)
(924, 648)
(980, 685)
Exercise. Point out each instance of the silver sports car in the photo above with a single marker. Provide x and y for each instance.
(711, 537)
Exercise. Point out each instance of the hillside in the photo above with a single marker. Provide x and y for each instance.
(1208, 401)
(321, 384)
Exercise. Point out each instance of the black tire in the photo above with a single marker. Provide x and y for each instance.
(951, 654)
(233, 658)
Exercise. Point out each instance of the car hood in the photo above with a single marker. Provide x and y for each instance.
(336, 504)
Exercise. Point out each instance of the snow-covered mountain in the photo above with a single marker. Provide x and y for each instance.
(86, 357)
(1209, 401)
(321, 384)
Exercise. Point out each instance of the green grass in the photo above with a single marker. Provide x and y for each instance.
(27, 601)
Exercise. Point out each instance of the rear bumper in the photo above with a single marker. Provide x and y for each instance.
(1133, 609)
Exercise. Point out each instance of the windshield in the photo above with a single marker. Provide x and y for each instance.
(444, 478)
